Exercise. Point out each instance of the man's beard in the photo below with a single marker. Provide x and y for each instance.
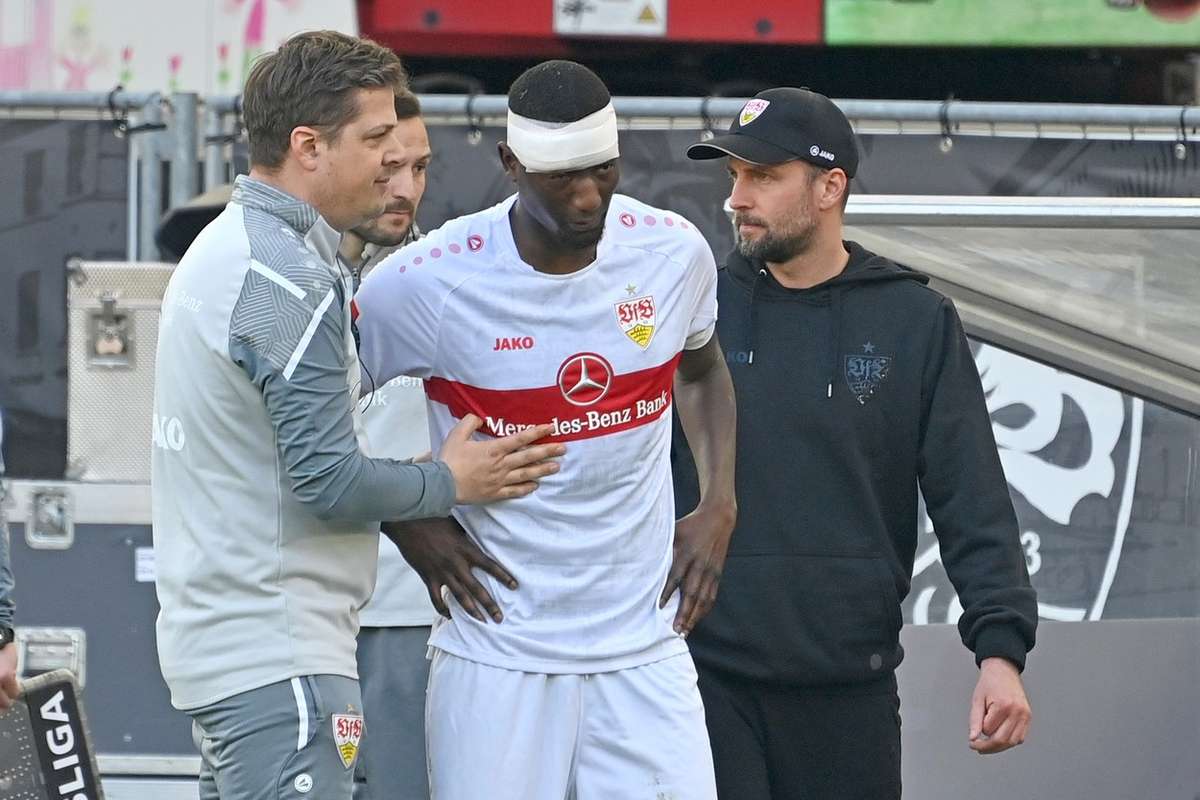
(581, 240)
(374, 233)
(777, 247)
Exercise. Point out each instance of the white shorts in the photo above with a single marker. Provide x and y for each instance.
(505, 735)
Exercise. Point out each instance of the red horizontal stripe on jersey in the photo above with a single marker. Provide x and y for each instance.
(633, 399)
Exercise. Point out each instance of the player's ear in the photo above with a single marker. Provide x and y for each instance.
(508, 160)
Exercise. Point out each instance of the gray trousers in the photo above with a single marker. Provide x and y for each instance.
(394, 673)
(292, 740)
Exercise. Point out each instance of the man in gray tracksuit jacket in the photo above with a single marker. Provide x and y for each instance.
(266, 512)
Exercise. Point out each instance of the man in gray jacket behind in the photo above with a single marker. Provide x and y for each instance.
(10, 689)
(395, 624)
(265, 510)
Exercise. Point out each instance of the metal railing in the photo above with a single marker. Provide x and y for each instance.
(185, 130)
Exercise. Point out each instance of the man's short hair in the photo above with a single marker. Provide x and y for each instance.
(557, 91)
(407, 105)
(311, 80)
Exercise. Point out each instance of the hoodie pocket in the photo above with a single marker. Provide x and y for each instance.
(805, 619)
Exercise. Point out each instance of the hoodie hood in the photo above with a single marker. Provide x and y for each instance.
(864, 267)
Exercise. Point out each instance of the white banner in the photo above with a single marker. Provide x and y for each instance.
(610, 17)
(201, 46)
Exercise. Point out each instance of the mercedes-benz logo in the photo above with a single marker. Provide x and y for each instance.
(584, 378)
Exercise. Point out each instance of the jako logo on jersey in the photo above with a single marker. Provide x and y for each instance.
(584, 379)
(752, 110)
(474, 243)
(819, 153)
(168, 433)
(627, 219)
(636, 318)
(514, 343)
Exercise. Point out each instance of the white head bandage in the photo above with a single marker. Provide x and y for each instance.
(564, 146)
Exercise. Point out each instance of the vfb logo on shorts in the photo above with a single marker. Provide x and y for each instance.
(584, 379)
(347, 735)
(636, 318)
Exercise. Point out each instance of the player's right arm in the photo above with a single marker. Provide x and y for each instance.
(442, 554)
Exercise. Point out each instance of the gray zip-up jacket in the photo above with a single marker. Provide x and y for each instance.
(6, 576)
(266, 512)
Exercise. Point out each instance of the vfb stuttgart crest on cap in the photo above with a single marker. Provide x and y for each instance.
(636, 318)
(752, 110)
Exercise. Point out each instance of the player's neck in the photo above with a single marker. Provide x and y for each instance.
(352, 247)
(539, 249)
(285, 180)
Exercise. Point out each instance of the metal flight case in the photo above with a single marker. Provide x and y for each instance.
(82, 548)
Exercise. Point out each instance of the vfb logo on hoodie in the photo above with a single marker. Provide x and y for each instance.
(1070, 450)
(865, 372)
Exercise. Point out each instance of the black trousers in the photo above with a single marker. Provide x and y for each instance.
(785, 743)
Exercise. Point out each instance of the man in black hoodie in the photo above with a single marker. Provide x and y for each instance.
(855, 384)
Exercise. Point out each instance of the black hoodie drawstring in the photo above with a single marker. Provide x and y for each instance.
(835, 335)
(762, 273)
(835, 327)
(863, 267)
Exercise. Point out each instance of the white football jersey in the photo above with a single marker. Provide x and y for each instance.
(395, 425)
(593, 352)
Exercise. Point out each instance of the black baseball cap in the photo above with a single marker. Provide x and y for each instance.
(786, 124)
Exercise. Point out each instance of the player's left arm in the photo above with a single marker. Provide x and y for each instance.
(968, 500)
(705, 402)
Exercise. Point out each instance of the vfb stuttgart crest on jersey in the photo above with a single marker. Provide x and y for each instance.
(636, 318)
(347, 734)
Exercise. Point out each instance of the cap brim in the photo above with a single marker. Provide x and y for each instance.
(740, 145)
